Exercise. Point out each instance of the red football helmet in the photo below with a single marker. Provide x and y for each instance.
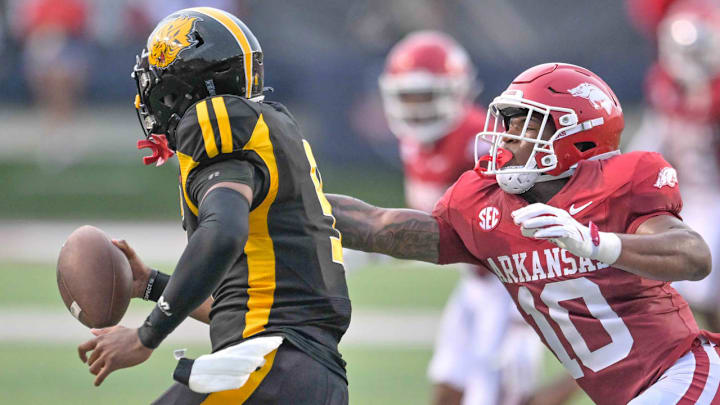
(689, 41)
(426, 85)
(584, 110)
(647, 14)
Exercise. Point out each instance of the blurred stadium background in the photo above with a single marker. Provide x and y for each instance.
(68, 157)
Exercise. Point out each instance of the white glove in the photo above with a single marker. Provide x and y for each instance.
(541, 221)
(230, 368)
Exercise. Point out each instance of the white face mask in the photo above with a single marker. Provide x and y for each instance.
(688, 48)
(518, 179)
(430, 120)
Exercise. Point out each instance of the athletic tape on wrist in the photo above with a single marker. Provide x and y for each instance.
(609, 248)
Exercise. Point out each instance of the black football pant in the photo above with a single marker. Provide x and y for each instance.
(292, 377)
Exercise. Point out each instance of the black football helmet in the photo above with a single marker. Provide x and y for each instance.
(193, 54)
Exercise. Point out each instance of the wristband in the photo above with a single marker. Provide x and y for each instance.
(151, 281)
(607, 246)
(609, 249)
(156, 289)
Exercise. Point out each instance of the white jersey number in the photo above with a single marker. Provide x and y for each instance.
(552, 295)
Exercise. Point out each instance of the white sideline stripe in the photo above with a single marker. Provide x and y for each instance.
(372, 327)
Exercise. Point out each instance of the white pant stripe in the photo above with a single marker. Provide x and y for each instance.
(671, 386)
(711, 386)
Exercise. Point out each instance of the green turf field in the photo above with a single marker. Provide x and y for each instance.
(128, 190)
(50, 372)
(395, 285)
(43, 374)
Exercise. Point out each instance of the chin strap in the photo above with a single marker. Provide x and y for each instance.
(161, 151)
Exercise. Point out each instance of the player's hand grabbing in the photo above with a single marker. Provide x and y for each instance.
(541, 221)
(112, 349)
(140, 272)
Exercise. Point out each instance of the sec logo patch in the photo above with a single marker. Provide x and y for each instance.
(488, 218)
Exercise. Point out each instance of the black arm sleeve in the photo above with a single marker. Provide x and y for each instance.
(213, 248)
(231, 170)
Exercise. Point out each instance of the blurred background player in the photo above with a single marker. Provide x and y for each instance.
(427, 88)
(55, 62)
(682, 122)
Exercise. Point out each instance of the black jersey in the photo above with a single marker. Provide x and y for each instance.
(290, 279)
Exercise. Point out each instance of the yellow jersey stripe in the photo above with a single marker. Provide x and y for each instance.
(186, 166)
(206, 128)
(335, 242)
(240, 395)
(224, 19)
(324, 203)
(259, 247)
(226, 143)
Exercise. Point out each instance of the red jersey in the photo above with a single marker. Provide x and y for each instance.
(614, 332)
(431, 169)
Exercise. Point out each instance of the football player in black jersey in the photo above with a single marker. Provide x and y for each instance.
(263, 264)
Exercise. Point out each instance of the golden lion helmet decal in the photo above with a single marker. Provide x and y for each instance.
(169, 39)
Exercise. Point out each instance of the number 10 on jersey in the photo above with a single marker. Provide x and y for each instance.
(552, 295)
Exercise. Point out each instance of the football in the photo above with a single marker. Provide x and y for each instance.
(94, 278)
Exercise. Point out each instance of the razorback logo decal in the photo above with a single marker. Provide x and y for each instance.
(594, 95)
(666, 177)
(169, 39)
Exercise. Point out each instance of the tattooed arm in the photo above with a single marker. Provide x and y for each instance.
(401, 233)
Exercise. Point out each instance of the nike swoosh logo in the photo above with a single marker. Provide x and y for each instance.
(573, 210)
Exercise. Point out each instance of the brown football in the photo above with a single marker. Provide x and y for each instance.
(94, 278)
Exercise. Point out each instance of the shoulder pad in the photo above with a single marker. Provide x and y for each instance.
(216, 125)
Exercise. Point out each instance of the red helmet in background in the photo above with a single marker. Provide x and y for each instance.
(426, 85)
(689, 41)
(647, 14)
(585, 112)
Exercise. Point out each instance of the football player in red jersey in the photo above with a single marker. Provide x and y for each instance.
(427, 87)
(584, 238)
(683, 94)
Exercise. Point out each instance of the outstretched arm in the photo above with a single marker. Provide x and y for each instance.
(401, 233)
(662, 248)
(666, 249)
